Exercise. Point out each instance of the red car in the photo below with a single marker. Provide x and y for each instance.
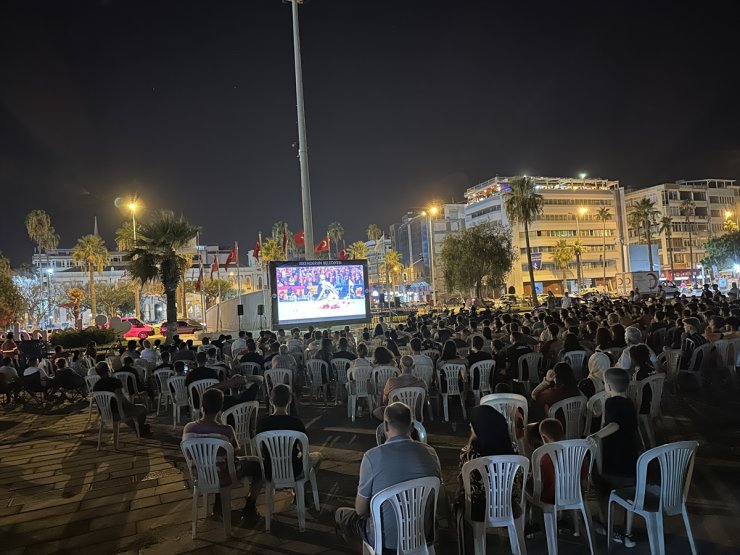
(184, 327)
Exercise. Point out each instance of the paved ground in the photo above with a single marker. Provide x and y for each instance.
(58, 494)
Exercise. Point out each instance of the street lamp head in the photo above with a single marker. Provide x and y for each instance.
(132, 206)
(423, 212)
(583, 176)
(50, 271)
(582, 210)
(433, 210)
(728, 214)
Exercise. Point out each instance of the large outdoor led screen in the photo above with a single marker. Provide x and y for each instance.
(319, 291)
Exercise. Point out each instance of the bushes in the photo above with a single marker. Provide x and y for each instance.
(71, 339)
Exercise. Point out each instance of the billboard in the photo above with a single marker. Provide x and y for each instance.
(319, 292)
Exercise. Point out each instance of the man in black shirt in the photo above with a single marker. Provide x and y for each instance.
(513, 352)
(344, 351)
(252, 355)
(108, 383)
(202, 372)
(184, 354)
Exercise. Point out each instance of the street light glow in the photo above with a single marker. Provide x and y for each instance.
(433, 210)
(132, 206)
(583, 176)
(583, 210)
(728, 214)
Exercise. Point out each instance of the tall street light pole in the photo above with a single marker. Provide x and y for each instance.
(137, 299)
(302, 146)
(432, 212)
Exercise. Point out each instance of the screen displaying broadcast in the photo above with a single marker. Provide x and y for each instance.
(319, 291)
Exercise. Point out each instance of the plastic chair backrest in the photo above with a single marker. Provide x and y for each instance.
(340, 366)
(432, 354)
(412, 397)
(698, 357)
(248, 368)
(726, 351)
(484, 368)
(508, 404)
(315, 367)
(595, 408)
(676, 468)
(199, 386)
(163, 376)
(498, 475)
(418, 426)
(574, 410)
(672, 359)
(360, 375)
(532, 362)
(424, 371)
(202, 453)
(451, 371)
(279, 446)
(409, 501)
(577, 361)
(276, 376)
(245, 420)
(103, 400)
(91, 380)
(179, 392)
(567, 457)
(656, 383)
(382, 374)
(128, 382)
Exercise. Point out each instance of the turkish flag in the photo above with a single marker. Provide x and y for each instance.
(231, 258)
(214, 266)
(257, 249)
(300, 239)
(199, 282)
(343, 254)
(322, 246)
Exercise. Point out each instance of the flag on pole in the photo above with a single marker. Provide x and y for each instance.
(343, 252)
(285, 240)
(214, 266)
(323, 246)
(232, 258)
(199, 281)
(299, 239)
(257, 249)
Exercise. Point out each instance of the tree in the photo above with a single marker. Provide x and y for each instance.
(562, 256)
(76, 296)
(392, 267)
(211, 289)
(41, 232)
(688, 208)
(666, 228)
(721, 250)
(271, 250)
(91, 254)
(374, 233)
(11, 301)
(115, 299)
(603, 215)
(38, 295)
(477, 254)
(357, 251)
(643, 217)
(335, 232)
(278, 229)
(729, 225)
(125, 243)
(523, 205)
(161, 254)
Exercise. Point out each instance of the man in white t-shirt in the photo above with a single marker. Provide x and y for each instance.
(566, 302)
(149, 354)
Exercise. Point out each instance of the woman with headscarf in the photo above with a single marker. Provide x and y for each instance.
(592, 384)
(489, 436)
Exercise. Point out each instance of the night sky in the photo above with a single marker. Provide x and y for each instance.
(192, 105)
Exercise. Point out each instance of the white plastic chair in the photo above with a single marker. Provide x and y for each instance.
(655, 383)
(179, 395)
(162, 376)
(103, 400)
(509, 404)
(574, 410)
(198, 387)
(279, 446)
(451, 371)
(567, 458)
(317, 369)
(408, 501)
(614, 353)
(130, 387)
(412, 397)
(484, 369)
(202, 453)
(577, 361)
(595, 409)
(418, 426)
(532, 363)
(676, 468)
(248, 369)
(728, 357)
(276, 376)
(424, 371)
(340, 367)
(382, 374)
(698, 358)
(90, 382)
(670, 360)
(143, 367)
(432, 354)
(498, 475)
(358, 379)
(245, 423)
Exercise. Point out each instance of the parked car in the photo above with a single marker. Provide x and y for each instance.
(184, 327)
(138, 328)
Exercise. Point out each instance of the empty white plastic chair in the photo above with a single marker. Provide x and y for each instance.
(567, 458)
(577, 361)
(382, 374)
(450, 372)
(198, 387)
(202, 454)
(498, 475)
(279, 446)
(412, 397)
(90, 381)
(244, 418)
(574, 412)
(179, 395)
(483, 369)
(109, 416)
(421, 432)
(531, 363)
(509, 404)
(359, 376)
(408, 501)
(318, 370)
(162, 376)
(339, 367)
(676, 468)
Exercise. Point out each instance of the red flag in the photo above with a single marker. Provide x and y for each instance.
(343, 254)
(199, 282)
(285, 240)
(257, 249)
(231, 258)
(214, 266)
(322, 246)
(300, 239)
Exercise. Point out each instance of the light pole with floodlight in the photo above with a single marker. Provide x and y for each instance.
(137, 300)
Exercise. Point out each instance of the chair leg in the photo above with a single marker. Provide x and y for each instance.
(610, 525)
(159, 402)
(315, 489)
(445, 407)
(589, 527)
(521, 543)
(194, 511)
(100, 434)
(116, 426)
(479, 538)
(353, 407)
(551, 532)
(269, 501)
(226, 510)
(462, 404)
(300, 505)
(689, 533)
(655, 533)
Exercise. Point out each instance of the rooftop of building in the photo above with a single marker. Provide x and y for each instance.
(500, 184)
(707, 183)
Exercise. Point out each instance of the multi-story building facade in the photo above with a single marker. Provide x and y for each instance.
(715, 208)
(571, 209)
(375, 257)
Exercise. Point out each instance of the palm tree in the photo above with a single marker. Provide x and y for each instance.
(76, 296)
(161, 253)
(335, 232)
(125, 243)
(374, 233)
(644, 216)
(688, 209)
(392, 266)
(357, 250)
(41, 232)
(562, 256)
(666, 227)
(90, 253)
(603, 215)
(523, 205)
(280, 230)
(271, 250)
